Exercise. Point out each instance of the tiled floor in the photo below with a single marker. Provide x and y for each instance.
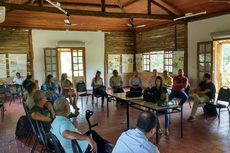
(200, 136)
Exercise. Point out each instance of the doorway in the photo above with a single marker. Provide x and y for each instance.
(72, 62)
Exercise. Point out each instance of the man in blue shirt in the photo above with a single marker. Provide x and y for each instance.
(136, 140)
(65, 131)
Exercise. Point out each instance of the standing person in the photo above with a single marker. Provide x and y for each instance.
(135, 82)
(180, 83)
(68, 91)
(136, 140)
(161, 94)
(151, 82)
(51, 88)
(203, 93)
(167, 81)
(98, 87)
(18, 79)
(116, 82)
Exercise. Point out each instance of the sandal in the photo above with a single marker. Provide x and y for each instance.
(160, 131)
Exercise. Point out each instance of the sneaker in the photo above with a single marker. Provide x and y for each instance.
(160, 132)
(166, 131)
(109, 147)
(191, 118)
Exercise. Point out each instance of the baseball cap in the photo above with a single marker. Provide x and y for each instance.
(40, 94)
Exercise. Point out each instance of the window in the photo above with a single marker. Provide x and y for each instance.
(146, 62)
(225, 65)
(160, 60)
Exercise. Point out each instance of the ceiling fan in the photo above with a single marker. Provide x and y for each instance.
(219, 1)
(68, 23)
(134, 27)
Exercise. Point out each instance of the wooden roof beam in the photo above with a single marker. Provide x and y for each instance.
(102, 5)
(89, 13)
(166, 7)
(83, 5)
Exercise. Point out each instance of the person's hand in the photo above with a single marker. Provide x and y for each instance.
(93, 145)
(55, 88)
(192, 91)
(54, 95)
(148, 93)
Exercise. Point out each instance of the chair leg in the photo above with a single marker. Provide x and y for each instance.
(11, 100)
(87, 99)
(219, 115)
(81, 102)
(34, 146)
(189, 103)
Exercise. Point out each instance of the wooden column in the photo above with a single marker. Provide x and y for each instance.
(102, 5)
(149, 6)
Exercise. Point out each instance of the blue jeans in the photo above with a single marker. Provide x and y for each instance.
(102, 92)
(51, 97)
(179, 94)
(166, 120)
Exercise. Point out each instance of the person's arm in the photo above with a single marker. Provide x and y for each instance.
(130, 82)
(63, 86)
(14, 80)
(39, 117)
(140, 84)
(74, 135)
(50, 107)
(111, 82)
(203, 92)
(166, 97)
(149, 83)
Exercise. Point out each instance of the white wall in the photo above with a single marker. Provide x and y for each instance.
(199, 31)
(94, 50)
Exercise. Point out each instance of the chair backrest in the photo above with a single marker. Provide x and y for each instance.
(187, 89)
(33, 126)
(81, 87)
(6, 88)
(76, 147)
(224, 94)
(57, 146)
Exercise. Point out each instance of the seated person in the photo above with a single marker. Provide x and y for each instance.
(161, 94)
(136, 140)
(42, 110)
(68, 91)
(25, 89)
(97, 84)
(116, 82)
(135, 82)
(30, 78)
(18, 79)
(65, 131)
(30, 99)
(203, 93)
(180, 83)
(51, 88)
(151, 82)
(167, 81)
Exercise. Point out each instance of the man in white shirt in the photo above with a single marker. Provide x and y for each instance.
(18, 79)
(135, 82)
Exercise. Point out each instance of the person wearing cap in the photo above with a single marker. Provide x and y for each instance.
(167, 81)
(65, 131)
(42, 110)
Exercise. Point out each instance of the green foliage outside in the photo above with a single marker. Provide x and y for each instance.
(157, 61)
(226, 65)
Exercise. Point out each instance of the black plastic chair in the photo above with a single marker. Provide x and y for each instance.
(8, 93)
(42, 136)
(81, 88)
(76, 147)
(94, 94)
(57, 146)
(2, 109)
(223, 96)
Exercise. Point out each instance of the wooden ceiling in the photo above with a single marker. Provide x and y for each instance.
(113, 17)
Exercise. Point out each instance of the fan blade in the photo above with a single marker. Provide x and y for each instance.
(67, 21)
(140, 26)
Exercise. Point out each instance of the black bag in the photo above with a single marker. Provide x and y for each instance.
(133, 94)
(23, 127)
(150, 98)
(210, 108)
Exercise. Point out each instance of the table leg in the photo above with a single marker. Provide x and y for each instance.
(157, 129)
(181, 121)
(127, 113)
(107, 108)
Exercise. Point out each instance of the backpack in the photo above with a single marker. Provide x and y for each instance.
(133, 94)
(23, 127)
(210, 108)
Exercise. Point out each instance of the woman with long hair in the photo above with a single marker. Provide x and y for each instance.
(68, 91)
(161, 94)
(51, 88)
(97, 84)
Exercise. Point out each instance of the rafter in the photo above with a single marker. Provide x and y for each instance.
(89, 13)
(131, 3)
(149, 6)
(75, 4)
(166, 7)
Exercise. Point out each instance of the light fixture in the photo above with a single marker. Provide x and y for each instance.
(187, 15)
